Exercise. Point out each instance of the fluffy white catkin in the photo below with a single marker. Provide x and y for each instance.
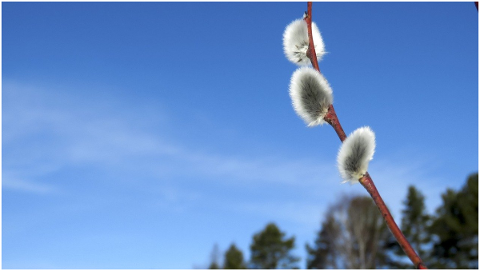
(295, 42)
(355, 154)
(311, 95)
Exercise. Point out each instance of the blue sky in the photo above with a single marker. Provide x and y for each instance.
(138, 135)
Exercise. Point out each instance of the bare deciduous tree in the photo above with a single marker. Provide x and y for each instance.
(353, 236)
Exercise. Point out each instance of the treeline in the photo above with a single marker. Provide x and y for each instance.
(353, 235)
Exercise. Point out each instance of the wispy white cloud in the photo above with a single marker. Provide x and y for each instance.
(45, 132)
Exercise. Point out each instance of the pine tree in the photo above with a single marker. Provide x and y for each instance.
(270, 249)
(456, 228)
(233, 258)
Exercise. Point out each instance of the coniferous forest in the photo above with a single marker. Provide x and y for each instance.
(353, 235)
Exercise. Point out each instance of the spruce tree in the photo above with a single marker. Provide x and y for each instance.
(324, 254)
(214, 258)
(415, 223)
(456, 228)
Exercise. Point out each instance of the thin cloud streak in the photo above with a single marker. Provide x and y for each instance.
(115, 144)
(10, 182)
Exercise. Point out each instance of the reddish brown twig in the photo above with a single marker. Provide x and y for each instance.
(311, 48)
(366, 181)
(332, 119)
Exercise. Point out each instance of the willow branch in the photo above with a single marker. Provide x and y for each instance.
(366, 180)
